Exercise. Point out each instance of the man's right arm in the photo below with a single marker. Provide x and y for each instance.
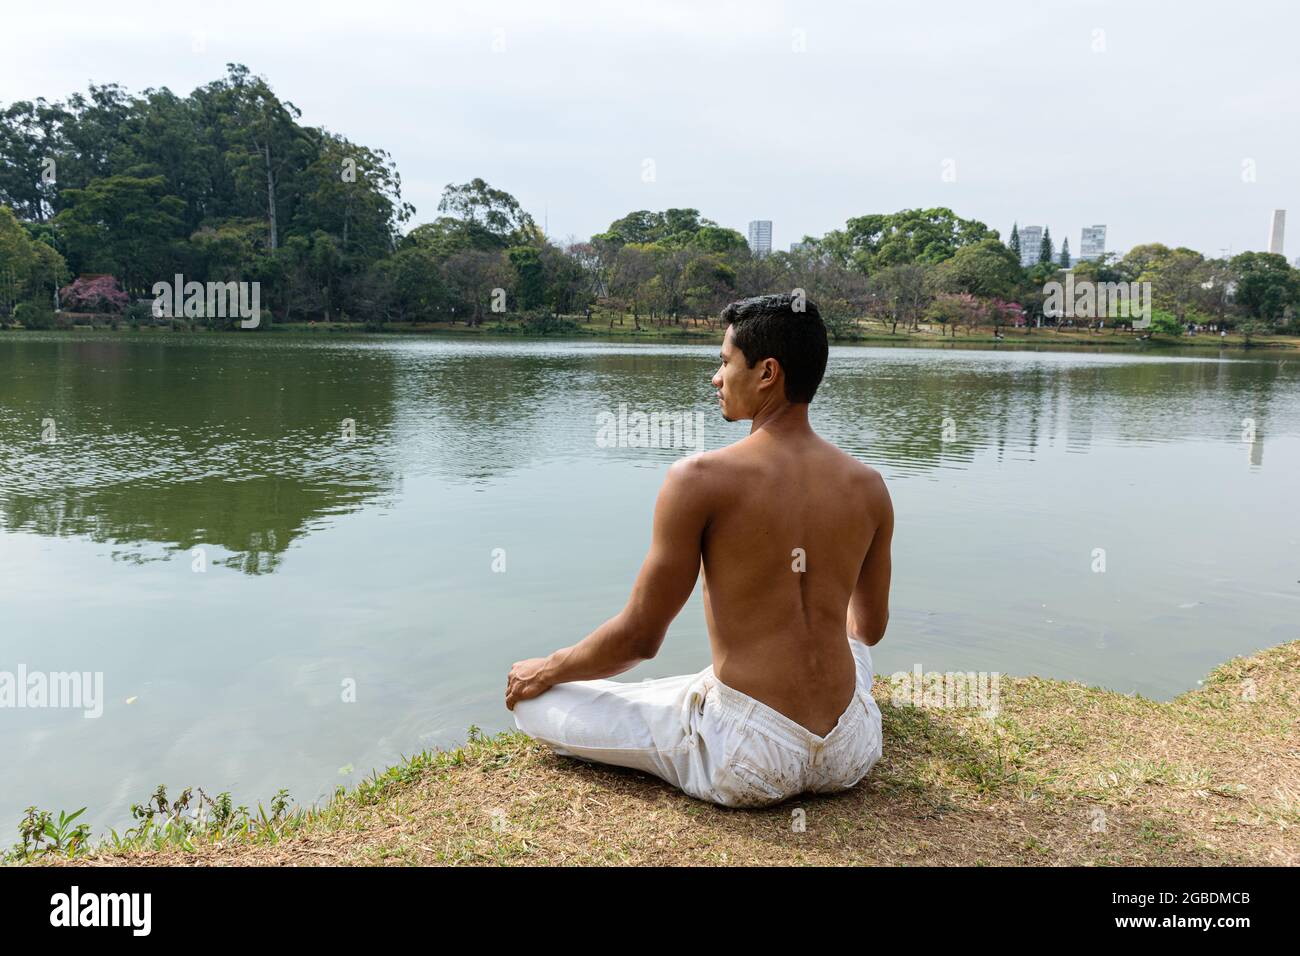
(869, 606)
(665, 583)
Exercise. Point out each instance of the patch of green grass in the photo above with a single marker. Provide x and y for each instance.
(188, 823)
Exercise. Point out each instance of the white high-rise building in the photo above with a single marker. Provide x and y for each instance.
(760, 237)
(1093, 244)
(1277, 230)
(1031, 243)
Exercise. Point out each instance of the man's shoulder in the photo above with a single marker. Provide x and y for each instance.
(855, 467)
(862, 482)
(732, 463)
(701, 466)
(695, 483)
(708, 472)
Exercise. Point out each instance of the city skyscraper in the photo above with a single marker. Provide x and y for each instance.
(1093, 245)
(1277, 230)
(760, 237)
(1031, 241)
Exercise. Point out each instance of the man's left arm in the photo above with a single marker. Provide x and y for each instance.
(666, 580)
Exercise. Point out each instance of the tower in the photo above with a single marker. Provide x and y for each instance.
(1276, 231)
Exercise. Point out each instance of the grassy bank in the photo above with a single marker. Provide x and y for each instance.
(1066, 774)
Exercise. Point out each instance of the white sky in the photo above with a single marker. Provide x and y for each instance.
(1148, 134)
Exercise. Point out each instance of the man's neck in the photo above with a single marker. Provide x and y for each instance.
(785, 418)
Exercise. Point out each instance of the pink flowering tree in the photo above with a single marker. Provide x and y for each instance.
(94, 294)
(1006, 313)
(957, 309)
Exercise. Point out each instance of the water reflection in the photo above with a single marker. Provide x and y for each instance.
(168, 445)
(236, 444)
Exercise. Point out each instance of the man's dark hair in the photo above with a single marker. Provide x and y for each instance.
(787, 328)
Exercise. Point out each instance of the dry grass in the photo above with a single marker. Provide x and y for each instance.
(1065, 775)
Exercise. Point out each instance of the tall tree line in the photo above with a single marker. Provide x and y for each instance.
(226, 184)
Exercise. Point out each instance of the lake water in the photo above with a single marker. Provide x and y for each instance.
(374, 563)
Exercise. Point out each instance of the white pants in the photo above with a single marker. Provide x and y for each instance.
(706, 738)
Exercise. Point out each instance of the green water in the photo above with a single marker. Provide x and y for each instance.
(374, 562)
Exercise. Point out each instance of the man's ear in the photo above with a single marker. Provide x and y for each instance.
(770, 368)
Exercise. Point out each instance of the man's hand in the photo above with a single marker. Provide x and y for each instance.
(526, 681)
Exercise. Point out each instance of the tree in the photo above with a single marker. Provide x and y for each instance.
(529, 277)
(29, 139)
(900, 294)
(595, 260)
(90, 138)
(123, 225)
(1101, 269)
(672, 227)
(1002, 313)
(1177, 277)
(94, 294)
(291, 268)
(447, 235)
(873, 242)
(1033, 296)
(353, 193)
(987, 268)
(957, 309)
(472, 275)
(757, 275)
(326, 270)
(633, 267)
(670, 265)
(1266, 285)
(1014, 243)
(945, 311)
(488, 218)
(1213, 296)
(1164, 323)
(162, 134)
(267, 146)
(407, 286)
(1141, 258)
(1065, 253)
(719, 240)
(1253, 327)
(227, 251)
(710, 284)
(567, 288)
(842, 294)
(1045, 246)
(640, 227)
(30, 270)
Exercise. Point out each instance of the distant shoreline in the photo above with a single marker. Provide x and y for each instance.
(1047, 339)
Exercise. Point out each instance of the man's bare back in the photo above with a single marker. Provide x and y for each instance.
(792, 521)
(794, 538)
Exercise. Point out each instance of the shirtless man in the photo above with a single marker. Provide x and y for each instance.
(793, 535)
